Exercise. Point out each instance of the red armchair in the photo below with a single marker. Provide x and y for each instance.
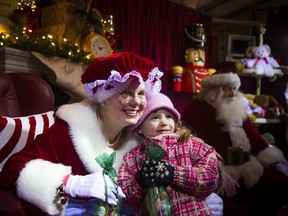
(22, 94)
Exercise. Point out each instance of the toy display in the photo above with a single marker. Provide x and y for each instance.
(194, 70)
(271, 106)
(242, 64)
(253, 109)
(262, 106)
(177, 72)
(262, 63)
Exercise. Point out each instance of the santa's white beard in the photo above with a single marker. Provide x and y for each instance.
(231, 111)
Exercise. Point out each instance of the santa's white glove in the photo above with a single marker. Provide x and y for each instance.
(93, 185)
(215, 204)
(282, 168)
(229, 186)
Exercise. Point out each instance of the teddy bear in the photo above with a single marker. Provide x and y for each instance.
(253, 110)
(274, 109)
(270, 105)
(263, 63)
(241, 64)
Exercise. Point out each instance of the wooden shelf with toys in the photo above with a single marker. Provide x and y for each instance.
(258, 63)
(258, 78)
(264, 71)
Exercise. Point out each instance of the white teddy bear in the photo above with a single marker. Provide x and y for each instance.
(263, 63)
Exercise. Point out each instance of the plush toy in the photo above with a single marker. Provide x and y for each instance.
(253, 110)
(263, 63)
(274, 109)
(249, 55)
(270, 105)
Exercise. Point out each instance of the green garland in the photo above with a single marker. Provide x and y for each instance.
(45, 45)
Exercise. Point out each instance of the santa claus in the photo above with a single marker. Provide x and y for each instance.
(256, 173)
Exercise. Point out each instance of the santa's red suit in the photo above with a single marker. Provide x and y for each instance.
(192, 77)
(258, 181)
(77, 141)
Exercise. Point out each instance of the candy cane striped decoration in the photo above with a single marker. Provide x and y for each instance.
(17, 132)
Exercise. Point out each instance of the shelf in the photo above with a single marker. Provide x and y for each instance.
(251, 73)
(267, 121)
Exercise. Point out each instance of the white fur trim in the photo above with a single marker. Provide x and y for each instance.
(87, 136)
(271, 155)
(85, 132)
(216, 80)
(239, 138)
(130, 143)
(250, 172)
(37, 184)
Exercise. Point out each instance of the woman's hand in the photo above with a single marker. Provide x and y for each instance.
(93, 185)
(229, 186)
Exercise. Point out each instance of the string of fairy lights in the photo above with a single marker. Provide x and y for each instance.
(43, 43)
(22, 3)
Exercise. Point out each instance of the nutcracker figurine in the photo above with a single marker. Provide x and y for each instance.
(194, 70)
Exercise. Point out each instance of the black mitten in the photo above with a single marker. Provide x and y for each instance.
(155, 172)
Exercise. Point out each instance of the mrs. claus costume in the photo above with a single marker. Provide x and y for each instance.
(71, 145)
(254, 173)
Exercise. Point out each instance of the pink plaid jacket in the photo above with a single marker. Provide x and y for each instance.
(196, 174)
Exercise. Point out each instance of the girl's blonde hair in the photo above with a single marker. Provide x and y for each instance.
(183, 132)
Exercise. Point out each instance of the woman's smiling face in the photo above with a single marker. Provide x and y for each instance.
(126, 108)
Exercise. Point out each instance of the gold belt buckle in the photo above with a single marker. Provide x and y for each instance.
(235, 156)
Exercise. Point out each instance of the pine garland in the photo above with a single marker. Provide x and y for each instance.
(45, 45)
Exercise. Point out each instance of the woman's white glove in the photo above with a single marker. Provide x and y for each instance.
(282, 168)
(215, 204)
(229, 186)
(93, 185)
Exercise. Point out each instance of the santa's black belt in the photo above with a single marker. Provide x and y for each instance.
(236, 156)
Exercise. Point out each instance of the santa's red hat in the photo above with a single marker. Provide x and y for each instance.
(107, 76)
(221, 79)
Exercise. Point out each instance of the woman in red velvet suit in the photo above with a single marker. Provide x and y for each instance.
(60, 165)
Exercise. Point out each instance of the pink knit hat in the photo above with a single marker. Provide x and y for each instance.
(156, 102)
(107, 76)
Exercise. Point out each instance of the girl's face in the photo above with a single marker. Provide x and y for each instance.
(157, 123)
(126, 108)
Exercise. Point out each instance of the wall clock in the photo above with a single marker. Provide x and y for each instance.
(97, 45)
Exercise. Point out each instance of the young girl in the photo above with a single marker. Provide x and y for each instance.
(189, 169)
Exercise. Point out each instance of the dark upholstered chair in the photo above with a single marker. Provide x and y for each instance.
(22, 94)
